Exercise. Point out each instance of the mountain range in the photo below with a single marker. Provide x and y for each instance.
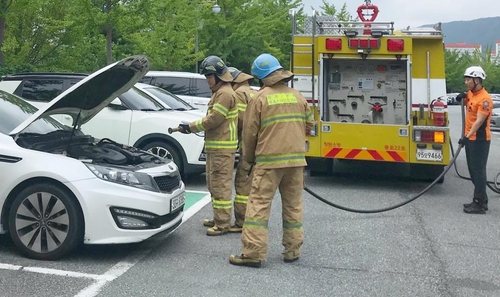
(484, 31)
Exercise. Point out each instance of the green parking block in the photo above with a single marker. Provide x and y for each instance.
(192, 198)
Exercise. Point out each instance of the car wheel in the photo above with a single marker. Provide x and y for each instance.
(166, 151)
(45, 222)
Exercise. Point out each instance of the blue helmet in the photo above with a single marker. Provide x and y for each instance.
(264, 65)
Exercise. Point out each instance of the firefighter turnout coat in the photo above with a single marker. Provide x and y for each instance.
(221, 142)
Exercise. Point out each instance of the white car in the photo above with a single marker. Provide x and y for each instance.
(169, 100)
(134, 118)
(61, 187)
(191, 87)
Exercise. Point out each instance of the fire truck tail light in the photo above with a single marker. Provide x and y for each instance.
(333, 44)
(417, 136)
(395, 45)
(429, 136)
(364, 42)
(439, 136)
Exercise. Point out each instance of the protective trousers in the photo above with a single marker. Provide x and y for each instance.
(242, 185)
(255, 229)
(219, 171)
(476, 152)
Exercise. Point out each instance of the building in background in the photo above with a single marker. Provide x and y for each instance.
(463, 48)
(495, 53)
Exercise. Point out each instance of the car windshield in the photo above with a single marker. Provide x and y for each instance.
(169, 99)
(14, 111)
(138, 100)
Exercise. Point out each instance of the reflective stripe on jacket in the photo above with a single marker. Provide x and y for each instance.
(274, 128)
(221, 122)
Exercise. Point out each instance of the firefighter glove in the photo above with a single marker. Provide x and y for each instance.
(460, 97)
(184, 128)
(463, 141)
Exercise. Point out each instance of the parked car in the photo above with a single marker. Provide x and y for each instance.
(61, 186)
(169, 100)
(495, 119)
(449, 98)
(133, 118)
(191, 87)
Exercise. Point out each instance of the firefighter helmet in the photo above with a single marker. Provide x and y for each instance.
(239, 76)
(234, 72)
(475, 71)
(213, 65)
(264, 65)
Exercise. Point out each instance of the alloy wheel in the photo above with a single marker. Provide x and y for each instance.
(161, 152)
(42, 222)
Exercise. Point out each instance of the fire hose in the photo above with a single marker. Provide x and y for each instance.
(494, 186)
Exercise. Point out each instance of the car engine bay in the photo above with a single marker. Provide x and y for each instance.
(87, 148)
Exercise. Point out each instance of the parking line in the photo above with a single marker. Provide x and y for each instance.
(10, 266)
(196, 207)
(50, 271)
(67, 273)
(114, 272)
(134, 258)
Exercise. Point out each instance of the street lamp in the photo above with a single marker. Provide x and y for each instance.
(199, 24)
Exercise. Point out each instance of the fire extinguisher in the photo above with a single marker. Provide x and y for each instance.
(437, 107)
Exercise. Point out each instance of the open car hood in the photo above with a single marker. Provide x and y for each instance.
(91, 94)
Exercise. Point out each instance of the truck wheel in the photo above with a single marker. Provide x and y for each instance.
(45, 222)
(167, 151)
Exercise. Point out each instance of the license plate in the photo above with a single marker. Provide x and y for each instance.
(177, 202)
(429, 155)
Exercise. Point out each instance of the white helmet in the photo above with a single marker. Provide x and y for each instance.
(475, 71)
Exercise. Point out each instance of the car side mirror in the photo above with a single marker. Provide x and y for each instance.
(117, 104)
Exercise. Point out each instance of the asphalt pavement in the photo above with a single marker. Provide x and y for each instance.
(429, 247)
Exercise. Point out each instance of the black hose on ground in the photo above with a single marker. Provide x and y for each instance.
(495, 188)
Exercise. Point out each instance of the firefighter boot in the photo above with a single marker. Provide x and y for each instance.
(208, 222)
(475, 208)
(216, 231)
(236, 228)
(241, 260)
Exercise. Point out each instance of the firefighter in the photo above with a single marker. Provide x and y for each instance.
(242, 178)
(477, 137)
(274, 136)
(221, 142)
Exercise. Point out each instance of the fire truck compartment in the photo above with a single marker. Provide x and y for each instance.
(367, 91)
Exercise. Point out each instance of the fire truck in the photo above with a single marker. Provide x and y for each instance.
(373, 90)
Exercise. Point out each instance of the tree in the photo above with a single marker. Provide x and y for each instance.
(343, 15)
(4, 7)
(36, 30)
(456, 63)
(245, 29)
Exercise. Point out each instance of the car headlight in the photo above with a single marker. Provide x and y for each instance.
(135, 179)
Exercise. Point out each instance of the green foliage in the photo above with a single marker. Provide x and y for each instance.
(85, 35)
(456, 63)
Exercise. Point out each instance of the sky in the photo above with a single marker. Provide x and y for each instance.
(420, 12)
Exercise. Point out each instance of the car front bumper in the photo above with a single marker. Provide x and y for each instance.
(98, 198)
